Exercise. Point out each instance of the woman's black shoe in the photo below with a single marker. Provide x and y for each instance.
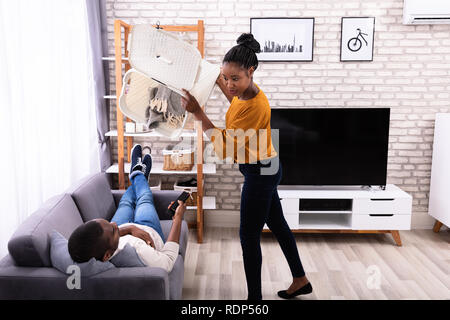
(306, 289)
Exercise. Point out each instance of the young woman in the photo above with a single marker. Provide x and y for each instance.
(248, 121)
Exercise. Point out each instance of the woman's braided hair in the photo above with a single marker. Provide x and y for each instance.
(244, 53)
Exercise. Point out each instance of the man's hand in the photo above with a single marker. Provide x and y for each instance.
(139, 233)
(175, 231)
(179, 212)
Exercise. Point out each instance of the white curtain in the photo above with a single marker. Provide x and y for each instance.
(47, 114)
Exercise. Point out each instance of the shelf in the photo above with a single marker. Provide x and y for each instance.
(113, 58)
(208, 168)
(209, 203)
(154, 134)
(324, 221)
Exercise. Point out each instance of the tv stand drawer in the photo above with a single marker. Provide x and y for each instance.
(381, 222)
(382, 206)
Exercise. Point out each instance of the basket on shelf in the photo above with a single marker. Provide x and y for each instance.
(180, 160)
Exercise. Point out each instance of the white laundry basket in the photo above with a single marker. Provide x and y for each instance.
(205, 81)
(165, 57)
(159, 57)
(135, 98)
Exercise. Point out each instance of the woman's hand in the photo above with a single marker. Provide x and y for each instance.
(190, 103)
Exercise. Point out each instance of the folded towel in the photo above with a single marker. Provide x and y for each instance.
(165, 105)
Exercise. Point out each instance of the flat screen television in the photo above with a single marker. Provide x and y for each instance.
(332, 146)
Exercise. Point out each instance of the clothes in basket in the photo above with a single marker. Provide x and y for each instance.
(164, 106)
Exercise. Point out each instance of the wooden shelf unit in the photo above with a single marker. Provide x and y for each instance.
(121, 60)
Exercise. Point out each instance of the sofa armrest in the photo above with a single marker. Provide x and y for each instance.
(117, 195)
(49, 283)
(162, 199)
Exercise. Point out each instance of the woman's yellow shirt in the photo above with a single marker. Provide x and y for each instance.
(247, 136)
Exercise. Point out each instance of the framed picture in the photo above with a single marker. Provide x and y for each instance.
(284, 39)
(357, 36)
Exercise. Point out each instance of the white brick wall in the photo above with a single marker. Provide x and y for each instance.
(410, 73)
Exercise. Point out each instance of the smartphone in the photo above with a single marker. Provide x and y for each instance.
(173, 207)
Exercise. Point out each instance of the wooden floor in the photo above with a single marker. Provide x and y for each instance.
(339, 266)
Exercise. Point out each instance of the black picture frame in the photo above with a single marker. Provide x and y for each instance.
(257, 28)
(350, 45)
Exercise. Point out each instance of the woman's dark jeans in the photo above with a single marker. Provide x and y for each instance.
(260, 204)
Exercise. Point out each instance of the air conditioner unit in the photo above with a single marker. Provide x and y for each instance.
(426, 12)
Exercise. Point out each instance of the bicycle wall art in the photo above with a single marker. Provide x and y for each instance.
(357, 35)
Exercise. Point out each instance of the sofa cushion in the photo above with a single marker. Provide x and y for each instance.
(93, 197)
(30, 244)
(127, 257)
(61, 259)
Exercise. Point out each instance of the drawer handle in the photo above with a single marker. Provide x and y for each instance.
(382, 199)
(381, 215)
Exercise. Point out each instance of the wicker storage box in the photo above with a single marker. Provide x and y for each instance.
(182, 160)
(192, 200)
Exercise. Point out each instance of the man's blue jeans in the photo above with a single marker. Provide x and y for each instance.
(137, 206)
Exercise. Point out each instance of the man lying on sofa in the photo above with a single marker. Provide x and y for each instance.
(135, 223)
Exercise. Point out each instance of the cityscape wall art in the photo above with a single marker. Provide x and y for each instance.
(284, 39)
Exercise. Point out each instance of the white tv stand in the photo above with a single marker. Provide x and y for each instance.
(347, 210)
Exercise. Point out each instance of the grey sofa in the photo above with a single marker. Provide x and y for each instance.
(27, 273)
